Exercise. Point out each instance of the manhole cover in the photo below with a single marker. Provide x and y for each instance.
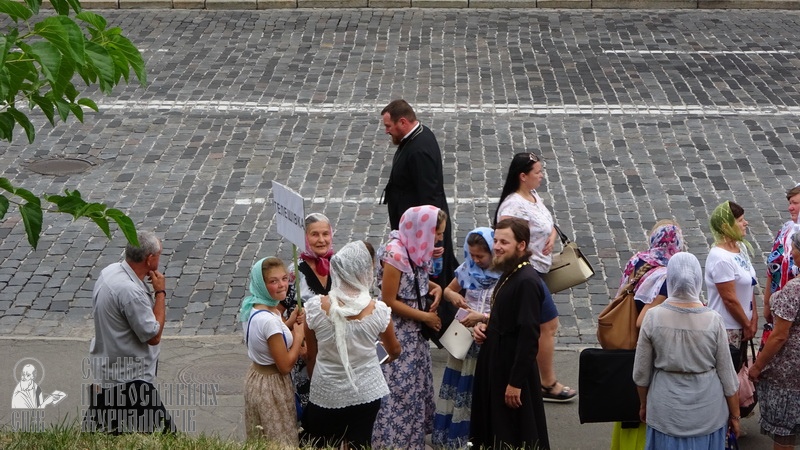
(60, 166)
(227, 372)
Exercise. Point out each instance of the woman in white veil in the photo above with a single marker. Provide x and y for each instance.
(683, 369)
(347, 383)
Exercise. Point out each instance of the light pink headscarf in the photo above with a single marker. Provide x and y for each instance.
(415, 237)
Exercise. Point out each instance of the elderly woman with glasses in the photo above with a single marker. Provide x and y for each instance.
(775, 368)
(780, 264)
(520, 200)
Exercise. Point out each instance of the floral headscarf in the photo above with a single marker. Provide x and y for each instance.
(665, 241)
(259, 295)
(322, 264)
(469, 274)
(415, 237)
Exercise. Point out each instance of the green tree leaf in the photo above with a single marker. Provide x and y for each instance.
(46, 105)
(28, 196)
(16, 10)
(3, 206)
(125, 224)
(75, 38)
(7, 123)
(69, 204)
(103, 65)
(76, 111)
(6, 43)
(63, 108)
(20, 68)
(95, 20)
(61, 6)
(48, 56)
(32, 219)
(89, 103)
(91, 208)
(34, 5)
(54, 32)
(76, 5)
(102, 222)
(23, 121)
(6, 185)
(132, 56)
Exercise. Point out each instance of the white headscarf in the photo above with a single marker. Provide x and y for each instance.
(351, 278)
(684, 277)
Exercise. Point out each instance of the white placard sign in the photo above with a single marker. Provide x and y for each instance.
(290, 214)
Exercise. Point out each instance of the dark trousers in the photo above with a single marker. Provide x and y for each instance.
(127, 408)
(329, 427)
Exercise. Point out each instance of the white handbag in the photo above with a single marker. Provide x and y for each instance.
(458, 339)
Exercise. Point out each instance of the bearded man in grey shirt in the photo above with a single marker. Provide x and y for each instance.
(128, 322)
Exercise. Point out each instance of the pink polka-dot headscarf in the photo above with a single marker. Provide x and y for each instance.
(415, 237)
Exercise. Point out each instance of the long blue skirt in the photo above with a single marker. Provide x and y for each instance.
(657, 440)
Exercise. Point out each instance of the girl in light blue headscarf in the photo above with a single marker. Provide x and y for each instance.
(475, 280)
(269, 406)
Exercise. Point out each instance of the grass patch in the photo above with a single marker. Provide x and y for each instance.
(71, 437)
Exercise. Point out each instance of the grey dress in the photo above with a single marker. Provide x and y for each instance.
(683, 357)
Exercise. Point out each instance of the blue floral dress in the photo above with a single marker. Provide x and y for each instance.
(406, 415)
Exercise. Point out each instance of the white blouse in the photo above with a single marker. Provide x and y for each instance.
(330, 387)
(540, 223)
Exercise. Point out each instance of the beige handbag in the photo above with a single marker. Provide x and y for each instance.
(569, 268)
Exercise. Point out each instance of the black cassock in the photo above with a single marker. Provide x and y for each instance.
(508, 356)
(417, 179)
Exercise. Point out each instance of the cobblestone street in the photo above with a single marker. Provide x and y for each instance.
(639, 115)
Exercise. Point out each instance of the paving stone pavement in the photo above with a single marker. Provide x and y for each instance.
(639, 115)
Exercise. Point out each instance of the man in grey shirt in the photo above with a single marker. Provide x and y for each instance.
(128, 322)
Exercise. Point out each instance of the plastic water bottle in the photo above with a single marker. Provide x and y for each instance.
(438, 263)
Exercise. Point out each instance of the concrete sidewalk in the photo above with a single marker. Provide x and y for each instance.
(201, 380)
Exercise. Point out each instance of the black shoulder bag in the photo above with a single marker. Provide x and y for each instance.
(428, 333)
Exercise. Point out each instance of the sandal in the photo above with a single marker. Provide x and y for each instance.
(567, 394)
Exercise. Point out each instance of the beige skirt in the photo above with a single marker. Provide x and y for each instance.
(269, 409)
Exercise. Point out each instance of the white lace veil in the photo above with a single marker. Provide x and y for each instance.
(351, 278)
(684, 277)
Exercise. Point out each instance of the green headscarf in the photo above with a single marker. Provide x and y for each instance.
(723, 226)
(259, 295)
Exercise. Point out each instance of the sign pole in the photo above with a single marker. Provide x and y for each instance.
(296, 279)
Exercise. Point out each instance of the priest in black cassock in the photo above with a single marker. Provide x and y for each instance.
(507, 406)
(417, 179)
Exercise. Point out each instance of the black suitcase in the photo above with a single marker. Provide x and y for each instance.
(605, 381)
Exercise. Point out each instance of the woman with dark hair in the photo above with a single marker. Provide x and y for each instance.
(519, 199)
(775, 369)
(475, 279)
(406, 415)
(730, 276)
(780, 265)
